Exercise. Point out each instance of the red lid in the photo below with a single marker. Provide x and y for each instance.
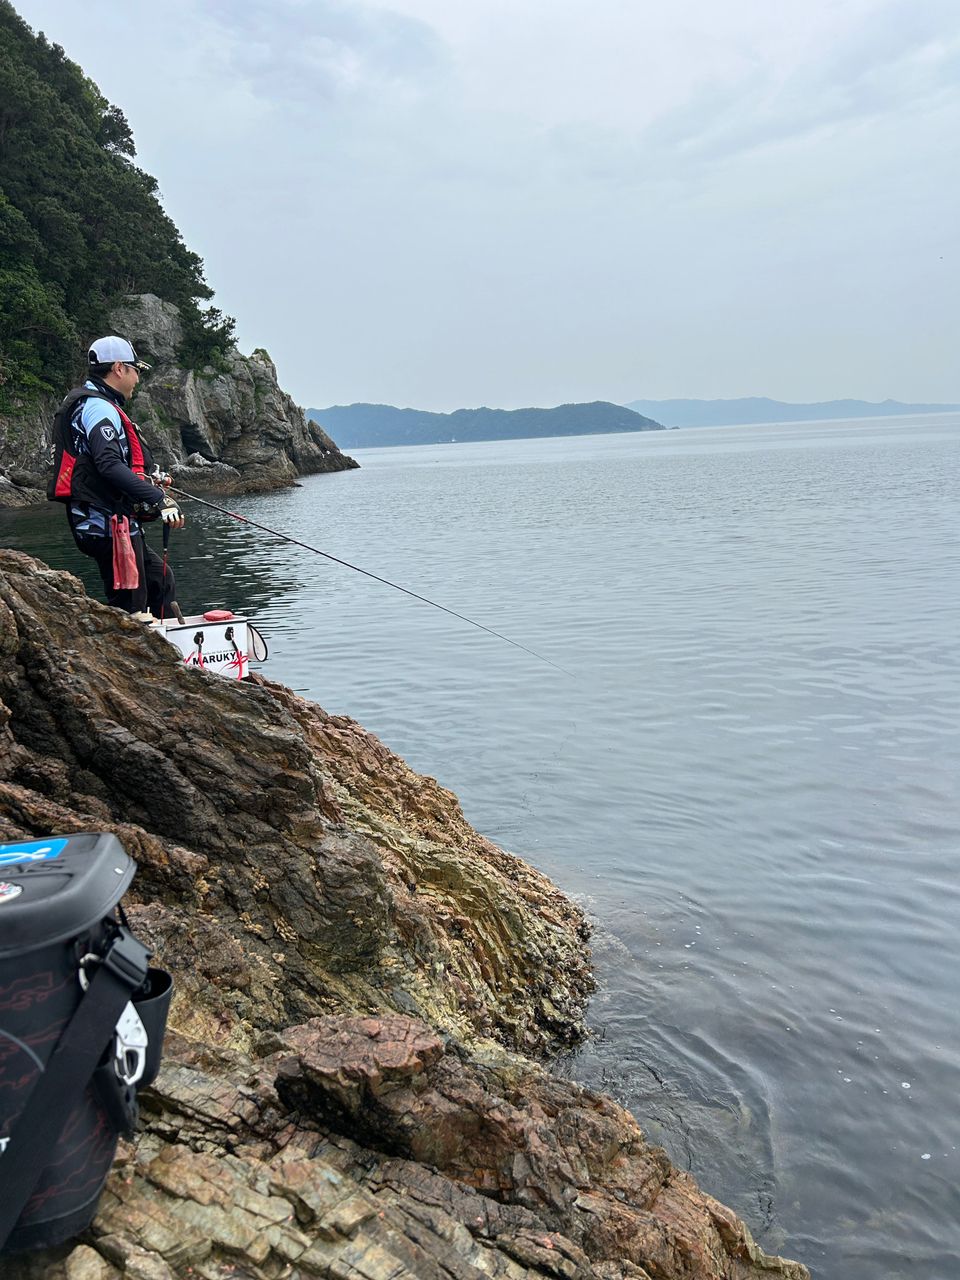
(218, 615)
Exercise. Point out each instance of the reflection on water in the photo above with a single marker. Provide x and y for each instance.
(752, 780)
(219, 563)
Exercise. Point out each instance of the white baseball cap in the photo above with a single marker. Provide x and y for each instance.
(109, 350)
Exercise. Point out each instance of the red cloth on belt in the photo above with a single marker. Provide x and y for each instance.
(126, 577)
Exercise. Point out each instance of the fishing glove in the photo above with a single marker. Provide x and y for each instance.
(170, 513)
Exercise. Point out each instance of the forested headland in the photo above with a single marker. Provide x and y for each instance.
(86, 249)
(81, 224)
(374, 425)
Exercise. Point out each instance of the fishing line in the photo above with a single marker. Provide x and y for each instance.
(285, 537)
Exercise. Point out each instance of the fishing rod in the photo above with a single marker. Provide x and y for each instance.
(285, 537)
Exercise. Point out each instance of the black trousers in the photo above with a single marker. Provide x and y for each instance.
(157, 590)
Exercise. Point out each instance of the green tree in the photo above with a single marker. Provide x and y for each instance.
(80, 223)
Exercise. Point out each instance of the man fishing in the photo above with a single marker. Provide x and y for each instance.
(105, 474)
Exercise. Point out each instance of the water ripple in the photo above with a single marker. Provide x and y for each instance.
(753, 780)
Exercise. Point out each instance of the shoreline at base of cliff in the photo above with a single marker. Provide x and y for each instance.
(366, 989)
(225, 430)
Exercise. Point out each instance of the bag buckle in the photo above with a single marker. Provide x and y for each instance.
(130, 1046)
(127, 959)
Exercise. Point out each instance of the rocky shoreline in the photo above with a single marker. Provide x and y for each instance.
(367, 992)
(225, 430)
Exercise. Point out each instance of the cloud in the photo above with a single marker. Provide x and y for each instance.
(438, 203)
(901, 64)
(316, 52)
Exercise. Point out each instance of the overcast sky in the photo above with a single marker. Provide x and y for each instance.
(447, 203)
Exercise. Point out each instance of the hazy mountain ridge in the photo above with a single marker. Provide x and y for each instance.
(376, 425)
(724, 413)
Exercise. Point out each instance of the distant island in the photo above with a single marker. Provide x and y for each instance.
(726, 413)
(358, 426)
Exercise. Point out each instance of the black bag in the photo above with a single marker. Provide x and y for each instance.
(82, 1018)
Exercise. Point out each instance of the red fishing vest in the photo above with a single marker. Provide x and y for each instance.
(75, 478)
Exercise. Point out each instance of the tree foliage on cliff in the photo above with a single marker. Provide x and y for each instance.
(80, 223)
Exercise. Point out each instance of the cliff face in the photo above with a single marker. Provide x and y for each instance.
(363, 986)
(226, 430)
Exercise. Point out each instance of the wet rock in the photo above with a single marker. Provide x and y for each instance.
(363, 984)
(573, 1158)
(18, 491)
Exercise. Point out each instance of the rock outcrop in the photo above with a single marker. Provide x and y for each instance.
(229, 429)
(364, 988)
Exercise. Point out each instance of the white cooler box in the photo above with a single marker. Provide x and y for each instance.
(217, 641)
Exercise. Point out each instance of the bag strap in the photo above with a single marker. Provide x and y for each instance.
(69, 405)
(68, 1072)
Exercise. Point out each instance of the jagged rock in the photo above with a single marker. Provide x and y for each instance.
(235, 416)
(228, 1178)
(202, 476)
(344, 876)
(362, 982)
(25, 447)
(14, 493)
(509, 1129)
(155, 323)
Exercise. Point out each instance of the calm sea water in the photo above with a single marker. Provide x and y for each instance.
(750, 776)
